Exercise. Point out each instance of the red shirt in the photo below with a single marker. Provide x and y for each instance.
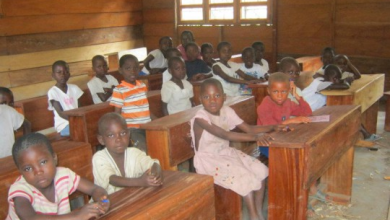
(270, 113)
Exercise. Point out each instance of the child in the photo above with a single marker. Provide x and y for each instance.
(10, 121)
(197, 69)
(249, 67)
(327, 57)
(259, 54)
(186, 37)
(228, 73)
(118, 165)
(207, 52)
(171, 52)
(62, 96)
(156, 61)
(232, 169)
(276, 108)
(129, 99)
(42, 191)
(289, 65)
(177, 93)
(347, 68)
(102, 84)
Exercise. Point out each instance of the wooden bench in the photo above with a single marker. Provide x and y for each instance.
(387, 111)
(182, 196)
(83, 121)
(76, 156)
(298, 158)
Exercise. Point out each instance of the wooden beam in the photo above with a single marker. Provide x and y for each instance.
(46, 58)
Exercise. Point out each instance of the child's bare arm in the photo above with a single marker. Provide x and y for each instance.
(26, 127)
(217, 70)
(145, 180)
(156, 172)
(58, 108)
(147, 61)
(355, 71)
(256, 129)
(165, 108)
(104, 96)
(245, 76)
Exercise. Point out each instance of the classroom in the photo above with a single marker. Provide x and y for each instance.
(318, 164)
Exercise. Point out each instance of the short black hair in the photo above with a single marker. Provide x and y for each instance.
(332, 71)
(172, 50)
(286, 62)
(165, 37)
(123, 59)
(258, 43)
(111, 116)
(191, 44)
(205, 46)
(341, 56)
(59, 63)
(278, 77)
(248, 49)
(211, 81)
(28, 141)
(172, 60)
(222, 44)
(97, 57)
(328, 49)
(189, 33)
(5, 91)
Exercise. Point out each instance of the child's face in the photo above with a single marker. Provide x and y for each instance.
(342, 63)
(225, 53)
(38, 166)
(165, 44)
(6, 99)
(212, 99)
(185, 39)
(116, 137)
(248, 58)
(278, 91)
(100, 67)
(178, 70)
(208, 54)
(192, 53)
(61, 74)
(293, 71)
(259, 52)
(327, 58)
(130, 70)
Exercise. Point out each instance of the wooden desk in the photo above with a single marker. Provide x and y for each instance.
(311, 63)
(366, 92)
(183, 196)
(196, 88)
(298, 158)
(83, 121)
(259, 91)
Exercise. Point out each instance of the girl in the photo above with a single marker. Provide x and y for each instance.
(259, 54)
(231, 168)
(177, 93)
(185, 38)
(228, 72)
(42, 192)
(62, 96)
(207, 52)
(156, 61)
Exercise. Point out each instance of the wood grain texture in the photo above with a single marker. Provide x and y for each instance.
(3, 45)
(159, 15)
(228, 204)
(364, 12)
(163, 29)
(147, 4)
(387, 111)
(259, 91)
(4, 80)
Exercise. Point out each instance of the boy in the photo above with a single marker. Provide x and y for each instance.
(207, 52)
(327, 57)
(197, 69)
(10, 121)
(130, 100)
(118, 165)
(259, 54)
(102, 84)
(289, 66)
(349, 71)
(156, 61)
(249, 67)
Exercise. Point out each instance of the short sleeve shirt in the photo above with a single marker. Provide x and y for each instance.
(159, 61)
(10, 120)
(96, 85)
(177, 99)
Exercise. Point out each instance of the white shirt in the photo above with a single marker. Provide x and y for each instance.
(159, 61)
(312, 96)
(177, 99)
(96, 85)
(265, 66)
(10, 120)
(68, 101)
(230, 89)
(256, 71)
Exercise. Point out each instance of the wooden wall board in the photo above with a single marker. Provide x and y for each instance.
(68, 39)
(159, 15)
(302, 2)
(159, 29)
(360, 1)
(208, 31)
(158, 4)
(47, 7)
(364, 12)
(303, 46)
(363, 47)
(361, 30)
(65, 22)
(3, 45)
(29, 60)
(4, 80)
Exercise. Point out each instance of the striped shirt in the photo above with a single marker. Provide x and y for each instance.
(65, 183)
(133, 101)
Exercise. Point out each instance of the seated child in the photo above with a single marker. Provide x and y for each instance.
(102, 84)
(259, 54)
(118, 165)
(232, 169)
(185, 38)
(42, 191)
(327, 56)
(207, 52)
(228, 72)
(171, 52)
(276, 108)
(62, 96)
(249, 67)
(130, 100)
(197, 69)
(10, 121)
(177, 93)
(347, 68)
(156, 61)
(289, 65)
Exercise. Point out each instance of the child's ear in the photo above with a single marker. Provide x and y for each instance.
(100, 139)
(224, 97)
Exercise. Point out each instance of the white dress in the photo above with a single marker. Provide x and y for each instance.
(96, 85)
(312, 94)
(10, 121)
(177, 99)
(230, 89)
(159, 61)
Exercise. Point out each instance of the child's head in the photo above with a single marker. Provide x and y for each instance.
(212, 96)
(6, 97)
(327, 55)
(99, 65)
(259, 50)
(60, 72)
(177, 68)
(224, 49)
(278, 87)
(165, 43)
(248, 57)
(332, 73)
(207, 51)
(113, 133)
(342, 62)
(129, 68)
(35, 159)
(289, 65)
(186, 37)
(192, 51)
(173, 52)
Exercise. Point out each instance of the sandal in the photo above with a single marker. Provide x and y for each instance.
(320, 196)
(373, 137)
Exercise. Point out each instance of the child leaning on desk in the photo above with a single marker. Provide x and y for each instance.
(118, 165)
(232, 169)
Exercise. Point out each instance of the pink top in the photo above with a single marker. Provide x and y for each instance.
(183, 52)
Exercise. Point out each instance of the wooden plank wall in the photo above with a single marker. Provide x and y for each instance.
(35, 33)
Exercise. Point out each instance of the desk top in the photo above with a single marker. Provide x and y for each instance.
(263, 84)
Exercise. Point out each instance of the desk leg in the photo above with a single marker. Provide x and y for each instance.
(338, 178)
(228, 204)
(370, 118)
(287, 197)
(158, 148)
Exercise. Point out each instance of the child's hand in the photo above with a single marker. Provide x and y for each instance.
(105, 203)
(284, 128)
(150, 180)
(198, 77)
(263, 139)
(108, 90)
(294, 90)
(349, 80)
(90, 210)
(155, 171)
(254, 81)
